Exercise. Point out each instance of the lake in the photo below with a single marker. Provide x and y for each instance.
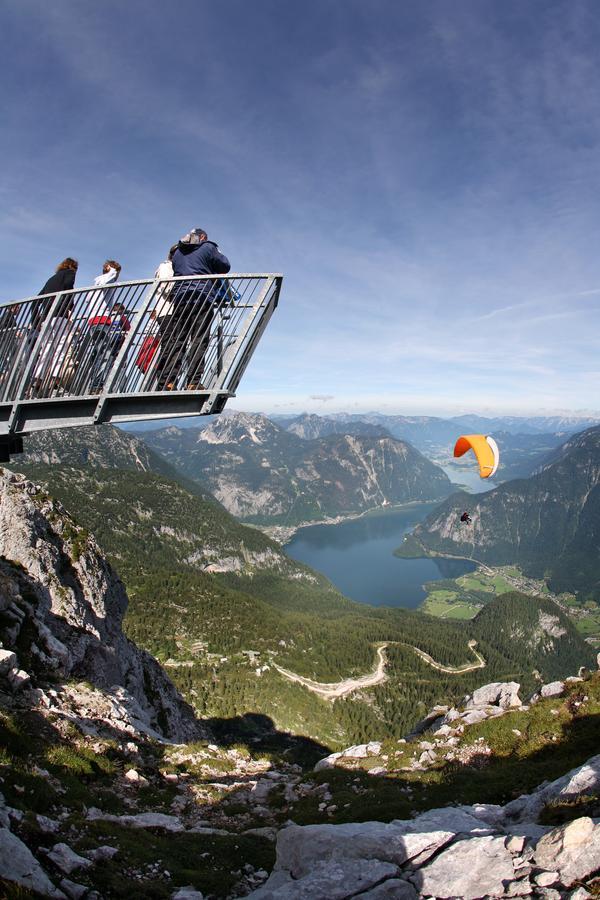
(357, 556)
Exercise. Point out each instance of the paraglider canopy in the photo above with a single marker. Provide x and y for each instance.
(485, 449)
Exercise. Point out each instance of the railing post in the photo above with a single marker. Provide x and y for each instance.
(129, 337)
(33, 358)
(232, 350)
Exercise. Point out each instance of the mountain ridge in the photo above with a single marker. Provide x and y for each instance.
(267, 475)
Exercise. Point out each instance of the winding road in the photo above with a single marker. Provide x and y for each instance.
(332, 691)
(335, 690)
(454, 670)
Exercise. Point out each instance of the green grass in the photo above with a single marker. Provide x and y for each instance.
(447, 605)
(554, 736)
(475, 582)
(207, 862)
(589, 624)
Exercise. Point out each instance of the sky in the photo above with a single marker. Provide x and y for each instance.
(424, 174)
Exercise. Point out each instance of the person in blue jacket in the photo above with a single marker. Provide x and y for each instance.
(186, 337)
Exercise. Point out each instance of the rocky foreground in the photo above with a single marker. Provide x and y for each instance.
(111, 788)
(468, 851)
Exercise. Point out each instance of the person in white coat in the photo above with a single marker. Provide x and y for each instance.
(162, 313)
(97, 355)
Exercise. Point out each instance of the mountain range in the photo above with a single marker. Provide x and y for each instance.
(521, 452)
(265, 474)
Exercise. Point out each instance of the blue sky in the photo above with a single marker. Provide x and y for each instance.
(425, 174)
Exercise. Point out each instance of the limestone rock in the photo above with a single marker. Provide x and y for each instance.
(66, 859)
(187, 893)
(518, 888)
(573, 850)
(18, 864)
(546, 879)
(300, 848)
(8, 660)
(475, 716)
(584, 779)
(393, 888)
(70, 606)
(101, 854)
(499, 693)
(329, 880)
(72, 890)
(470, 868)
(141, 820)
(48, 826)
(18, 679)
(357, 751)
(134, 777)
(554, 689)
(328, 762)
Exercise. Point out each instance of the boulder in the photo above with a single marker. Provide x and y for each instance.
(554, 689)
(584, 779)
(328, 762)
(18, 864)
(330, 880)
(546, 879)
(73, 890)
(134, 777)
(470, 868)
(187, 893)
(361, 751)
(18, 679)
(261, 790)
(101, 854)
(300, 848)
(499, 693)
(8, 661)
(474, 716)
(141, 820)
(357, 751)
(66, 859)
(572, 850)
(48, 826)
(455, 820)
(394, 889)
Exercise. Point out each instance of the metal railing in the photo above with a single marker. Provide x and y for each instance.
(129, 350)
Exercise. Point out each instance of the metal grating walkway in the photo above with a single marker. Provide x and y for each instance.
(131, 351)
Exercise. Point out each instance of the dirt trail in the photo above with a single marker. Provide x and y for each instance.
(334, 690)
(331, 691)
(454, 670)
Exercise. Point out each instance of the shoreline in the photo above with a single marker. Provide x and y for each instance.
(283, 534)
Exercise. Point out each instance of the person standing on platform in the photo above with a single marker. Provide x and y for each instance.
(186, 336)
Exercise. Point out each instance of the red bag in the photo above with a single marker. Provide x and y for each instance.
(147, 352)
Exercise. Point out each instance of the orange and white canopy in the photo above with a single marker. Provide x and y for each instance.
(485, 449)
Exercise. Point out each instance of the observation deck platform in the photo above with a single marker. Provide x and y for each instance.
(131, 351)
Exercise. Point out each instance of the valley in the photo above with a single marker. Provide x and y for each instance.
(225, 606)
(289, 701)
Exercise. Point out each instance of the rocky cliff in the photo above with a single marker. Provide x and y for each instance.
(62, 608)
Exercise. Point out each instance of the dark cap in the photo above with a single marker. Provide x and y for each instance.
(194, 236)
